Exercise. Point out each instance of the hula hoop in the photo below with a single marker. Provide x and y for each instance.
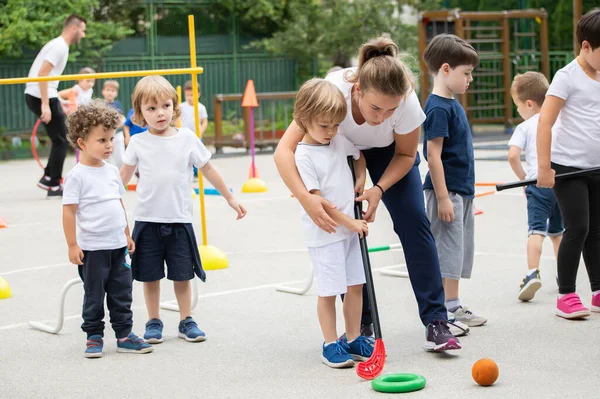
(34, 149)
(398, 383)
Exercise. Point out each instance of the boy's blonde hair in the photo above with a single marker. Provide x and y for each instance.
(87, 117)
(319, 99)
(153, 88)
(111, 83)
(380, 68)
(86, 70)
(530, 86)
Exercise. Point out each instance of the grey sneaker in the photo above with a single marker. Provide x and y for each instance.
(457, 328)
(464, 315)
(530, 285)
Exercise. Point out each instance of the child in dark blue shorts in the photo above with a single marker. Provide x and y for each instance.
(163, 229)
(543, 215)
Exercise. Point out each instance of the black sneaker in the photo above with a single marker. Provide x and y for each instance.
(439, 338)
(55, 192)
(531, 284)
(45, 183)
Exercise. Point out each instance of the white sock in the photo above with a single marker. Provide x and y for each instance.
(531, 272)
(453, 304)
(329, 343)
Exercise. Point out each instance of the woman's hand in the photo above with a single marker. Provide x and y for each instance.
(372, 196)
(315, 205)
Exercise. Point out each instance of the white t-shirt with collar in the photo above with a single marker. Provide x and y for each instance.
(525, 137)
(56, 52)
(576, 141)
(324, 167)
(100, 216)
(407, 117)
(165, 166)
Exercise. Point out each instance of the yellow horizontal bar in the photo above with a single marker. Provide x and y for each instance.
(104, 75)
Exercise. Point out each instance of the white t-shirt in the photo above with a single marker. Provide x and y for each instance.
(325, 168)
(187, 115)
(56, 52)
(83, 96)
(576, 140)
(408, 116)
(524, 137)
(101, 218)
(165, 166)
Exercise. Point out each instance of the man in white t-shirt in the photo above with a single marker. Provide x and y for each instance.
(543, 214)
(42, 98)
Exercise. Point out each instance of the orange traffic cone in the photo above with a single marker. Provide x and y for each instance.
(255, 172)
(3, 223)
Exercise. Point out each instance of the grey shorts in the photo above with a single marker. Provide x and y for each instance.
(455, 241)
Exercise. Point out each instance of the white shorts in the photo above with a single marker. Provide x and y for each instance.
(338, 266)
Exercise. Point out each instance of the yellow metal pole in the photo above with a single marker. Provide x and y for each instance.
(105, 75)
(179, 97)
(192, 34)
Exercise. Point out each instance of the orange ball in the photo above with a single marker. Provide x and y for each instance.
(485, 372)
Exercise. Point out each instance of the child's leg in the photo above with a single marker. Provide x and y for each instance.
(152, 297)
(326, 314)
(534, 250)
(556, 244)
(353, 311)
(183, 293)
(118, 294)
(94, 273)
(573, 199)
(591, 249)
(451, 292)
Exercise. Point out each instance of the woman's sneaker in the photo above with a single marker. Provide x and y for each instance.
(530, 285)
(93, 347)
(335, 356)
(570, 307)
(133, 344)
(457, 328)
(439, 338)
(153, 334)
(595, 303)
(464, 315)
(188, 330)
(360, 349)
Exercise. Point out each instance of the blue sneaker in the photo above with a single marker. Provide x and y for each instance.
(153, 334)
(188, 330)
(531, 284)
(133, 344)
(360, 349)
(94, 346)
(334, 355)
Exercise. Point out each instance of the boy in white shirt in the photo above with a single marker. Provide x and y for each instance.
(321, 160)
(79, 94)
(543, 215)
(187, 113)
(95, 226)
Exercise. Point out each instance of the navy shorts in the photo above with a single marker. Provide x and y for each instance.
(157, 243)
(543, 213)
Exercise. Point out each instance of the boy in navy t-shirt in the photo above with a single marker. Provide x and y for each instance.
(450, 183)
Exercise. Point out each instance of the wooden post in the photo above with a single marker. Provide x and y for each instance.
(218, 115)
(506, 66)
(424, 70)
(544, 45)
(246, 115)
(577, 12)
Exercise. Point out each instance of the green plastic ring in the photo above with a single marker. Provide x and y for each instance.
(398, 383)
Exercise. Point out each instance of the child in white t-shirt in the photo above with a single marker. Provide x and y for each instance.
(321, 160)
(96, 230)
(163, 217)
(187, 113)
(543, 214)
(572, 111)
(79, 94)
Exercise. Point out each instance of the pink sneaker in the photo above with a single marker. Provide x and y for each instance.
(570, 307)
(595, 303)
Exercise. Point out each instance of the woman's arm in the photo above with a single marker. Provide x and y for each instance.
(286, 165)
(548, 115)
(403, 160)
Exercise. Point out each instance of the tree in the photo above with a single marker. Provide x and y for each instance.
(333, 30)
(27, 26)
